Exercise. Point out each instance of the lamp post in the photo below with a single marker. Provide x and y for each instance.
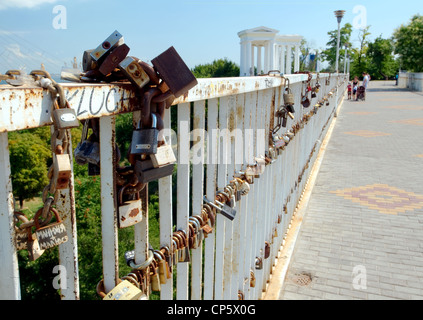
(339, 14)
(345, 57)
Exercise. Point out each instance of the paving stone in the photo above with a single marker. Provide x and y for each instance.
(366, 207)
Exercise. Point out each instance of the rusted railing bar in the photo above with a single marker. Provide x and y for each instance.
(9, 270)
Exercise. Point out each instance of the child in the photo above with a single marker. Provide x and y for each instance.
(349, 90)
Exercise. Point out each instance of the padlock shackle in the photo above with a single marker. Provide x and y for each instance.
(146, 106)
(40, 211)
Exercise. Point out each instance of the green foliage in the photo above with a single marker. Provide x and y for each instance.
(329, 54)
(408, 41)
(29, 155)
(360, 62)
(216, 69)
(382, 62)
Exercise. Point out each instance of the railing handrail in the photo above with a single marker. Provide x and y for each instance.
(233, 103)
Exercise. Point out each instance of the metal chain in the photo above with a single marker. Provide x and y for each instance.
(59, 144)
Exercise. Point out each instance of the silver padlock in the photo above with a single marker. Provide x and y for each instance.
(107, 45)
(130, 211)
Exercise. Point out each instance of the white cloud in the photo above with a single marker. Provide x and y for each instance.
(5, 4)
(15, 49)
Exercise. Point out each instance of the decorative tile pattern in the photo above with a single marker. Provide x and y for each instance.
(362, 113)
(367, 133)
(415, 122)
(383, 198)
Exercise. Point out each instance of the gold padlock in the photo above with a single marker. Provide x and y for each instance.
(125, 290)
(154, 276)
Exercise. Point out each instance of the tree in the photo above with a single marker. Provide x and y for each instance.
(359, 56)
(408, 41)
(329, 54)
(382, 61)
(29, 155)
(216, 69)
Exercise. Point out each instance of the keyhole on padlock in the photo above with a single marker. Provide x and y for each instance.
(106, 45)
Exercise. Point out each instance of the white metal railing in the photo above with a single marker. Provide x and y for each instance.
(221, 268)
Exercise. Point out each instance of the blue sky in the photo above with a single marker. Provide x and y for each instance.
(200, 30)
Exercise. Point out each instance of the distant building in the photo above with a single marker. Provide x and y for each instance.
(279, 51)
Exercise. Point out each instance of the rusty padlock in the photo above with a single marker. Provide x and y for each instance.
(52, 234)
(114, 40)
(134, 72)
(130, 211)
(266, 249)
(115, 57)
(174, 72)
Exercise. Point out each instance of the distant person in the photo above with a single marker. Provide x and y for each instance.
(366, 79)
(355, 87)
(396, 79)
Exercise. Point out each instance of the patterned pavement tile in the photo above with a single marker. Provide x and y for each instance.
(367, 133)
(383, 198)
(416, 122)
(362, 113)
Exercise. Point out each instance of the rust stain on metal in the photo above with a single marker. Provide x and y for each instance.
(134, 212)
(231, 120)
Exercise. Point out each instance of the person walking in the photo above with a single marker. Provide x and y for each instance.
(366, 79)
(355, 87)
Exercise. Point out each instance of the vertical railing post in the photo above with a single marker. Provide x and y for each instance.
(68, 251)
(183, 179)
(166, 220)
(108, 203)
(197, 191)
(209, 246)
(9, 270)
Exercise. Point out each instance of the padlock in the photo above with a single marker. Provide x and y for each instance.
(288, 96)
(115, 57)
(175, 252)
(252, 279)
(33, 247)
(258, 263)
(130, 257)
(64, 118)
(52, 234)
(305, 101)
(266, 249)
(222, 208)
(125, 290)
(145, 140)
(87, 150)
(154, 276)
(114, 40)
(174, 72)
(21, 234)
(93, 169)
(134, 72)
(62, 170)
(130, 211)
(163, 269)
(145, 171)
(163, 156)
(88, 63)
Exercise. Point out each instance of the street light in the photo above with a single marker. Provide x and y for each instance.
(339, 14)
